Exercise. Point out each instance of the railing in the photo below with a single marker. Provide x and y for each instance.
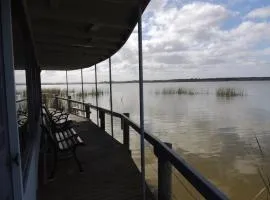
(21, 104)
(167, 157)
(20, 100)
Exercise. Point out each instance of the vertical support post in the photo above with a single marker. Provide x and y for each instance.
(111, 105)
(56, 102)
(44, 100)
(102, 119)
(30, 95)
(67, 83)
(11, 185)
(96, 94)
(164, 176)
(39, 88)
(82, 85)
(126, 132)
(87, 110)
(69, 104)
(141, 98)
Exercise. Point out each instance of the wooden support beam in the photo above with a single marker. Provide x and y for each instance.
(164, 175)
(102, 119)
(69, 104)
(87, 111)
(11, 183)
(126, 139)
(56, 102)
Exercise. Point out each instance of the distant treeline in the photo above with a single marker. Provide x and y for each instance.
(172, 80)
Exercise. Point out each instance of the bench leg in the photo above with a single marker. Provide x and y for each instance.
(54, 163)
(77, 160)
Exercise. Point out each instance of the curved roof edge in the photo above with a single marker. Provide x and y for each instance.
(70, 35)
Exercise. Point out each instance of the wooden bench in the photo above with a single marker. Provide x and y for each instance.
(68, 138)
(63, 138)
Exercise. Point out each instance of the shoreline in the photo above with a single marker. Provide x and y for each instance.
(169, 80)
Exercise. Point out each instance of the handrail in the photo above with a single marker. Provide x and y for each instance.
(92, 106)
(205, 187)
(20, 100)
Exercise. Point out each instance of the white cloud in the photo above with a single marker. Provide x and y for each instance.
(192, 37)
(262, 13)
(156, 5)
(189, 41)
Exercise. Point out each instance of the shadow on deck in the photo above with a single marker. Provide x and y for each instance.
(109, 171)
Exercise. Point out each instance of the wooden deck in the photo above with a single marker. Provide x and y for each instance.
(109, 171)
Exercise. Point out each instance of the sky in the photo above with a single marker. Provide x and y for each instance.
(190, 39)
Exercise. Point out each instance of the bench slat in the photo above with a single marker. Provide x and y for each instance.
(69, 139)
(60, 146)
(72, 137)
(57, 137)
(70, 142)
(65, 145)
(78, 138)
(61, 136)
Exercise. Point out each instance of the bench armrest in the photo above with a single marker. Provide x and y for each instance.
(60, 117)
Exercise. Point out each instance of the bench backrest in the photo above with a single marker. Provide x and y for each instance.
(47, 123)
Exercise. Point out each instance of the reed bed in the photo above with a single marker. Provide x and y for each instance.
(51, 92)
(230, 92)
(48, 95)
(93, 92)
(220, 92)
(180, 91)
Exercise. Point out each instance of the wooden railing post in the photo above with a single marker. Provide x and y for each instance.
(69, 104)
(126, 132)
(102, 119)
(56, 102)
(44, 98)
(164, 176)
(87, 110)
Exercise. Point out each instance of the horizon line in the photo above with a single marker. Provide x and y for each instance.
(167, 80)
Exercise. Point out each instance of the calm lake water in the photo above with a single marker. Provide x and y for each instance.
(216, 135)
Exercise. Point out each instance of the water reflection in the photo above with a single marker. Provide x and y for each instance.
(214, 134)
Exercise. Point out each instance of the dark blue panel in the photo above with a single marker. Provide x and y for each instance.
(5, 168)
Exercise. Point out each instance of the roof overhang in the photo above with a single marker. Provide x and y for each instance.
(70, 34)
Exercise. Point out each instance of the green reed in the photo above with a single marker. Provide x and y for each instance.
(93, 92)
(51, 92)
(230, 92)
(179, 91)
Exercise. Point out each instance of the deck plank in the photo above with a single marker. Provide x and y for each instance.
(109, 171)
